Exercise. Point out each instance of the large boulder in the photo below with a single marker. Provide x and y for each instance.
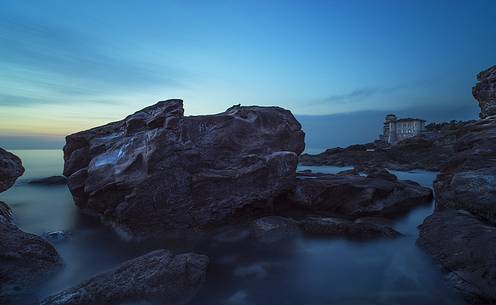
(10, 169)
(158, 276)
(465, 247)
(356, 196)
(158, 170)
(485, 92)
(25, 259)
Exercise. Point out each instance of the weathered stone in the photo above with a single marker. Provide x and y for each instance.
(331, 226)
(157, 276)
(272, 229)
(10, 169)
(5, 212)
(473, 191)
(485, 92)
(466, 249)
(428, 151)
(356, 196)
(158, 170)
(53, 180)
(25, 259)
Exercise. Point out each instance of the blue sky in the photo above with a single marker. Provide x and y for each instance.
(70, 65)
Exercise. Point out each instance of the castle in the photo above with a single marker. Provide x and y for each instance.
(396, 130)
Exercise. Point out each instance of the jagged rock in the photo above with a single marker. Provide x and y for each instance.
(474, 191)
(158, 170)
(331, 226)
(5, 213)
(10, 169)
(25, 259)
(356, 196)
(485, 92)
(157, 276)
(53, 180)
(465, 247)
(272, 229)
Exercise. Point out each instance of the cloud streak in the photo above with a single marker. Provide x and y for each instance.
(359, 95)
(70, 63)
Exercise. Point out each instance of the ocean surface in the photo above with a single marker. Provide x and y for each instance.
(312, 271)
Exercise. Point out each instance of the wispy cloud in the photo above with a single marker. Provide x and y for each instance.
(41, 57)
(358, 95)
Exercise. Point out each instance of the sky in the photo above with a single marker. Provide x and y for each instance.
(67, 66)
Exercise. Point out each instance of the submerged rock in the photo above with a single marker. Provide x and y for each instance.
(466, 249)
(158, 170)
(25, 259)
(157, 276)
(56, 236)
(53, 180)
(356, 196)
(272, 229)
(330, 226)
(10, 169)
(485, 92)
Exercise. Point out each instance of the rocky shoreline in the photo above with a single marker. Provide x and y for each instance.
(460, 234)
(26, 259)
(232, 176)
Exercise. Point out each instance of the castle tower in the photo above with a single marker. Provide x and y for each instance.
(387, 132)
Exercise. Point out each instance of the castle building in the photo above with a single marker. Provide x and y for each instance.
(395, 130)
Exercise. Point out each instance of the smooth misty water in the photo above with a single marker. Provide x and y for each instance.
(313, 271)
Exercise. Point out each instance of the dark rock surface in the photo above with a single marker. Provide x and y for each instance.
(429, 151)
(471, 190)
(53, 180)
(466, 249)
(25, 259)
(272, 229)
(10, 169)
(331, 226)
(157, 276)
(485, 92)
(158, 170)
(5, 213)
(461, 234)
(355, 196)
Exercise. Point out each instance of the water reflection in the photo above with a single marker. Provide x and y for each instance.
(303, 271)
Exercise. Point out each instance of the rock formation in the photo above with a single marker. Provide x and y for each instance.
(465, 248)
(356, 196)
(461, 233)
(485, 92)
(25, 259)
(157, 276)
(428, 151)
(10, 169)
(331, 226)
(272, 229)
(159, 170)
